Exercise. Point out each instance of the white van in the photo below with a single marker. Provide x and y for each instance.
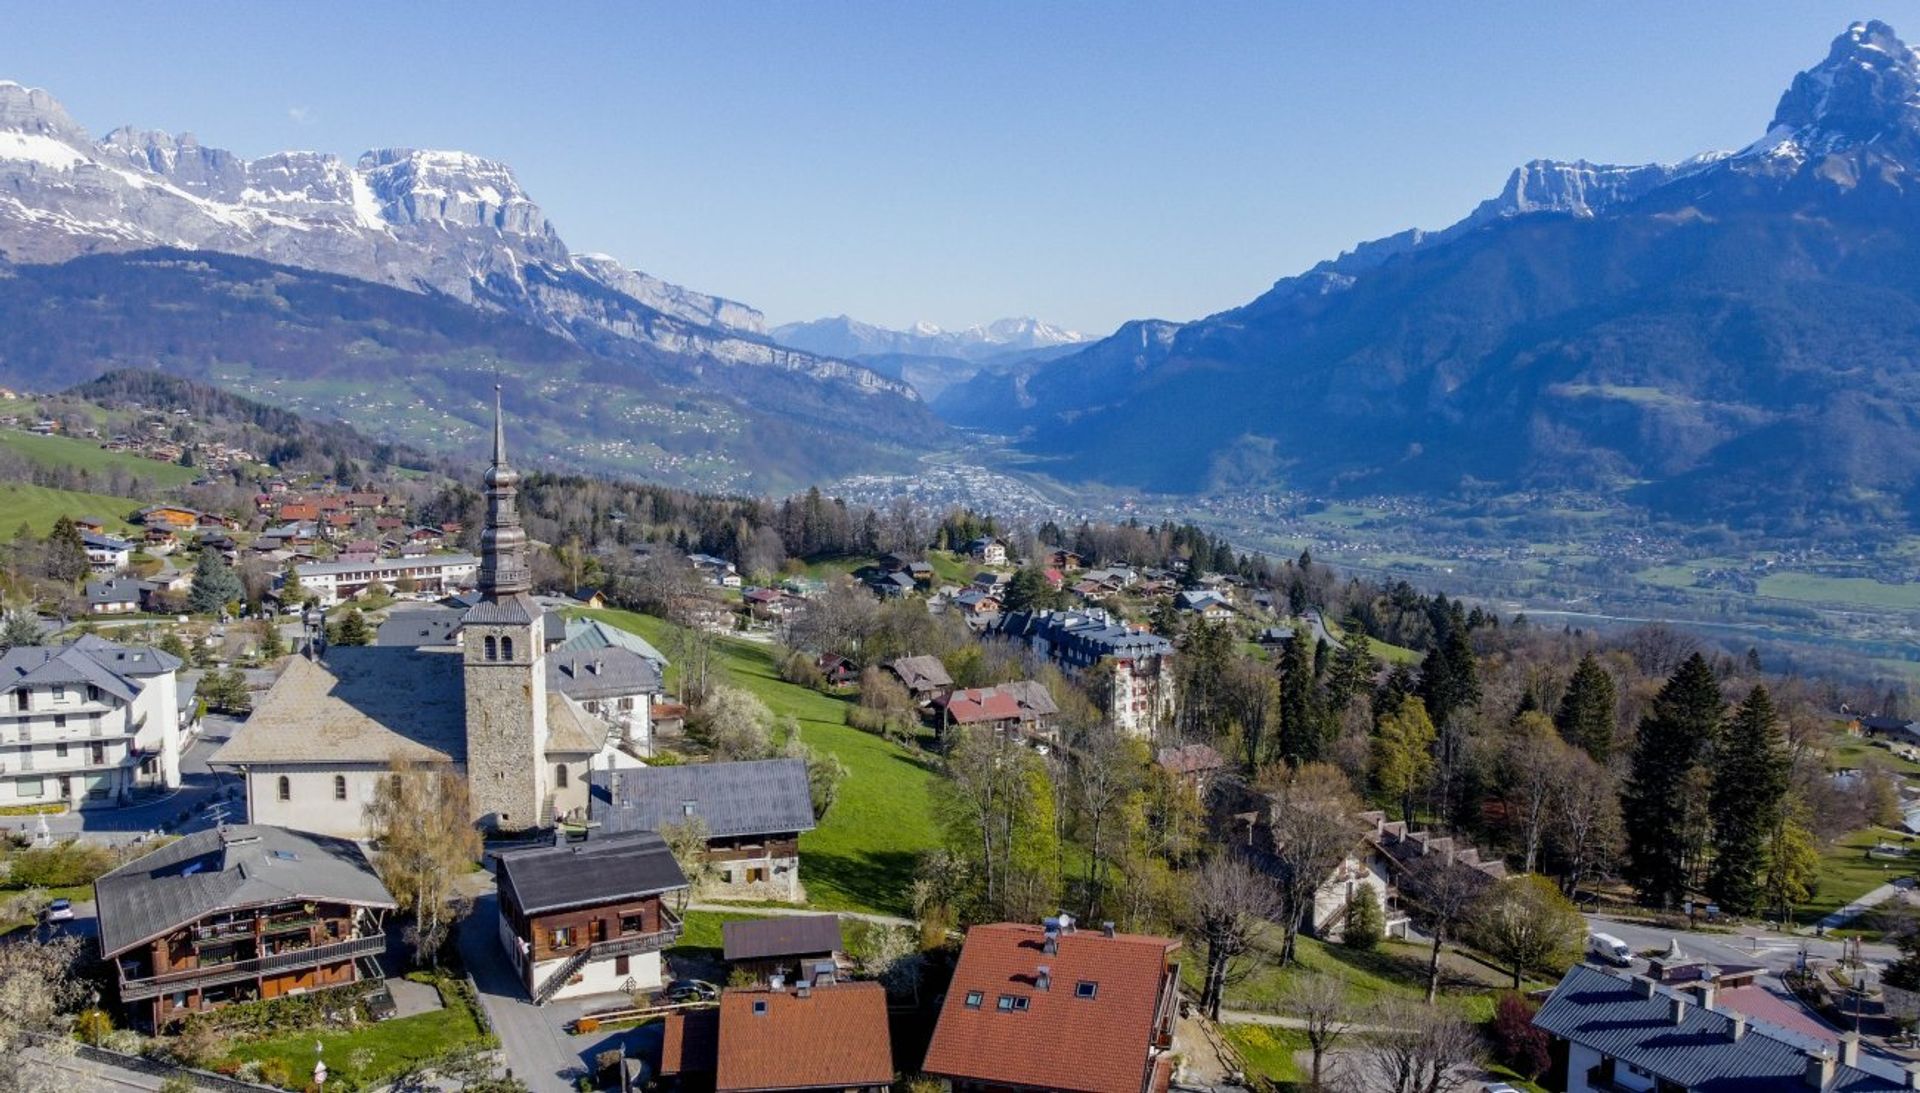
(1609, 949)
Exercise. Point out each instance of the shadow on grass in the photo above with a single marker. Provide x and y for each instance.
(879, 880)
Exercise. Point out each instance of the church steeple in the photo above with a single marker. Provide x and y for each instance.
(503, 543)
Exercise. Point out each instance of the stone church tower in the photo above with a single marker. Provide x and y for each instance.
(505, 666)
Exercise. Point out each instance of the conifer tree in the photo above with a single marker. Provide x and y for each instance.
(215, 585)
(1669, 747)
(66, 556)
(1749, 800)
(1586, 715)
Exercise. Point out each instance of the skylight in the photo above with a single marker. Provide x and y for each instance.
(1085, 989)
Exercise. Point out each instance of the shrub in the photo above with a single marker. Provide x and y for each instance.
(275, 1071)
(1365, 921)
(64, 866)
(1516, 1042)
(93, 1026)
(586, 1025)
(797, 667)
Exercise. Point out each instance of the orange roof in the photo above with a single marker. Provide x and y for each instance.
(1061, 1039)
(299, 510)
(835, 1037)
(688, 1043)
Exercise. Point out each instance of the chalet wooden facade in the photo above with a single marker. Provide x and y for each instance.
(589, 917)
(238, 914)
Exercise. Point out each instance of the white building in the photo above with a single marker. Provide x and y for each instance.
(88, 723)
(332, 582)
(105, 554)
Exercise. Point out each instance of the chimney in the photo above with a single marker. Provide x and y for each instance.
(1066, 923)
(1677, 1007)
(1107, 928)
(802, 990)
(777, 982)
(1044, 980)
(1737, 1027)
(1709, 993)
(1819, 1072)
(1643, 986)
(1849, 1049)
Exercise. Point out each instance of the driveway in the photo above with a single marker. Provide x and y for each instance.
(198, 786)
(533, 1038)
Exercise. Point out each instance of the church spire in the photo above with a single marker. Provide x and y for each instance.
(503, 543)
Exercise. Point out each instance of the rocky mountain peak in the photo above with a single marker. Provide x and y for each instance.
(420, 186)
(1867, 88)
(31, 110)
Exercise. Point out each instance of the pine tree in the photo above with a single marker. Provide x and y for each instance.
(350, 629)
(1302, 732)
(292, 592)
(1449, 681)
(1670, 745)
(1749, 800)
(215, 585)
(66, 556)
(1586, 715)
(1353, 668)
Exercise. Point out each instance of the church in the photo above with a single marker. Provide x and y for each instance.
(338, 718)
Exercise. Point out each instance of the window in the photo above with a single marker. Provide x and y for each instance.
(339, 787)
(635, 923)
(559, 776)
(1085, 989)
(60, 751)
(99, 754)
(59, 721)
(493, 649)
(974, 999)
(1020, 1002)
(756, 874)
(20, 699)
(93, 693)
(286, 788)
(760, 1007)
(563, 937)
(59, 692)
(620, 964)
(506, 648)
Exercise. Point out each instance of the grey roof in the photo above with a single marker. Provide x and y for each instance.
(786, 935)
(419, 626)
(613, 672)
(603, 869)
(584, 635)
(921, 673)
(1082, 635)
(358, 704)
(762, 797)
(1605, 1012)
(104, 542)
(229, 867)
(321, 569)
(515, 609)
(118, 670)
(117, 590)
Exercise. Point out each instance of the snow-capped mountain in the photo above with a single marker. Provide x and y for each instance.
(846, 337)
(432, 221)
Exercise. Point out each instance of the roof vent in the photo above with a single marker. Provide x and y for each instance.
(802, 990)
(1045, 979)
(777, 981)
(1107, 928)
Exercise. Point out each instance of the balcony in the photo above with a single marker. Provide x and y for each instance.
(134, 990)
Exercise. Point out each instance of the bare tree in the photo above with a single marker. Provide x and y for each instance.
(1313, 832)
(1326, 1007)
(1537, 768)
(40, 986)
(1231, 903)
(838, 620)
(1585, 826)
(1417, 1049)
(687, 842)
(1444, 892)
(1106, 772)
(426, 838)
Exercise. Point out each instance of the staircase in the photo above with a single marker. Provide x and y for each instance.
(606, 950)
(560, 976)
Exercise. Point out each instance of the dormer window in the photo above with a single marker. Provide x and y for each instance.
(974, 998)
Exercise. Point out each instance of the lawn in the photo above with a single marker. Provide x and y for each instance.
(1846, 873)
(862, 856)
(1269, 1052)
(89, 456)
(1394, 969)
(700, 933)
(949, 568)
(1844, 752)
(1861, 591)
(396, 1045)
(40, 506)
(1387, 651)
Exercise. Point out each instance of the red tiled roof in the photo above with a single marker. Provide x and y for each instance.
(835, 1037)
(1061, 1041)
(691, 1043)
(977, 704)
(299, 510)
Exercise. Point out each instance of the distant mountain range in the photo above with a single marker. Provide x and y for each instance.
(931, 359)
(1735, 337)
(442, 228)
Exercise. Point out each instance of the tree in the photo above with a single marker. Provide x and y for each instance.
(1366, 922)
(1030, 590)
(1403, 754)
(1231, 904)
(65, 557)
(1312, 818)
(735, 725)
(998, 809)
(420, 820)
(1419, 1049)
(1326, 1011)
(1585, 827)
(20, 627)
(1748, 802)
(1449, 680)
(1302, 718)
(1535, 765)
(1517, 1042)
(225, 691)
(1353, 669)
(885, 706)
(825, 772)
(1105, 777)
(40, 985)
(173, 644)
(1444, 892)
(687, 842)
(215, 585)
(1525, 923)
(1586, 715)
(272, 645)
(1793, 866)
(1668, 748)
(350, 628)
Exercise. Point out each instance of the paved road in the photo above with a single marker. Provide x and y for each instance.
(791, 912)
(1774, 951)
(78, 1075)
(198, 785)
(1902, 889)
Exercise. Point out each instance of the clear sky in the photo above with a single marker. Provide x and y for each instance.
(954, 162)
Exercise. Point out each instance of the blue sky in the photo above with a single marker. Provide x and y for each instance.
(956, 162)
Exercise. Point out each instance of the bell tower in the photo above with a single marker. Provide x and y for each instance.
(505, 667)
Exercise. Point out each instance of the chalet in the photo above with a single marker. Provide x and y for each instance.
(799, 948)
(978, 604)
(169, 517)
(90, 523)
(296, 511)
(235, 914)
(1209, 605)
(769, 603)
(589, 917)
(117, 596)
(589, 597)
(893, 586)
(754, 813)
(105, 554)
(838, 670)
(895, 562)
(1138, 689)
(832, 1037)
(1025, 708)
(1062, 558)
(987, 550)
(991, 582)
(361, 551)
(1897, 729)
(715, 571)
(1613, 1031)
(1054, 1007)
(925, 678)
(1194, 764)
(1274, 638)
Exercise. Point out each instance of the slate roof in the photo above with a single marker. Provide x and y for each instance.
(608, 672)
(784, 935)
(1606, 1012)
(920, 674)
(420, 626)
(1082, 635)
(103, 542)
(834, 1037)
(762, 797)
(358, 704)
(230, 867)
(116, 590)
(1060, 1041)
(603, 869)
(517, 609)
(586, 635)
(571, 730)
(118, 670)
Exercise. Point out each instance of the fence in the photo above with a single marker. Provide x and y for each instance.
(140, 1064)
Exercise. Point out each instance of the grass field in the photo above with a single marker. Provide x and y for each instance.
(39, 507)
(1392, 654)
(1861, 591)
(1846, 873)
(89, 456)
(862, 856)
(395, 1046)
(1394, 969)
(1269, 1052)
(1845, 751)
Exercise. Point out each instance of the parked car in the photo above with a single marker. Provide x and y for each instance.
(60, 910)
